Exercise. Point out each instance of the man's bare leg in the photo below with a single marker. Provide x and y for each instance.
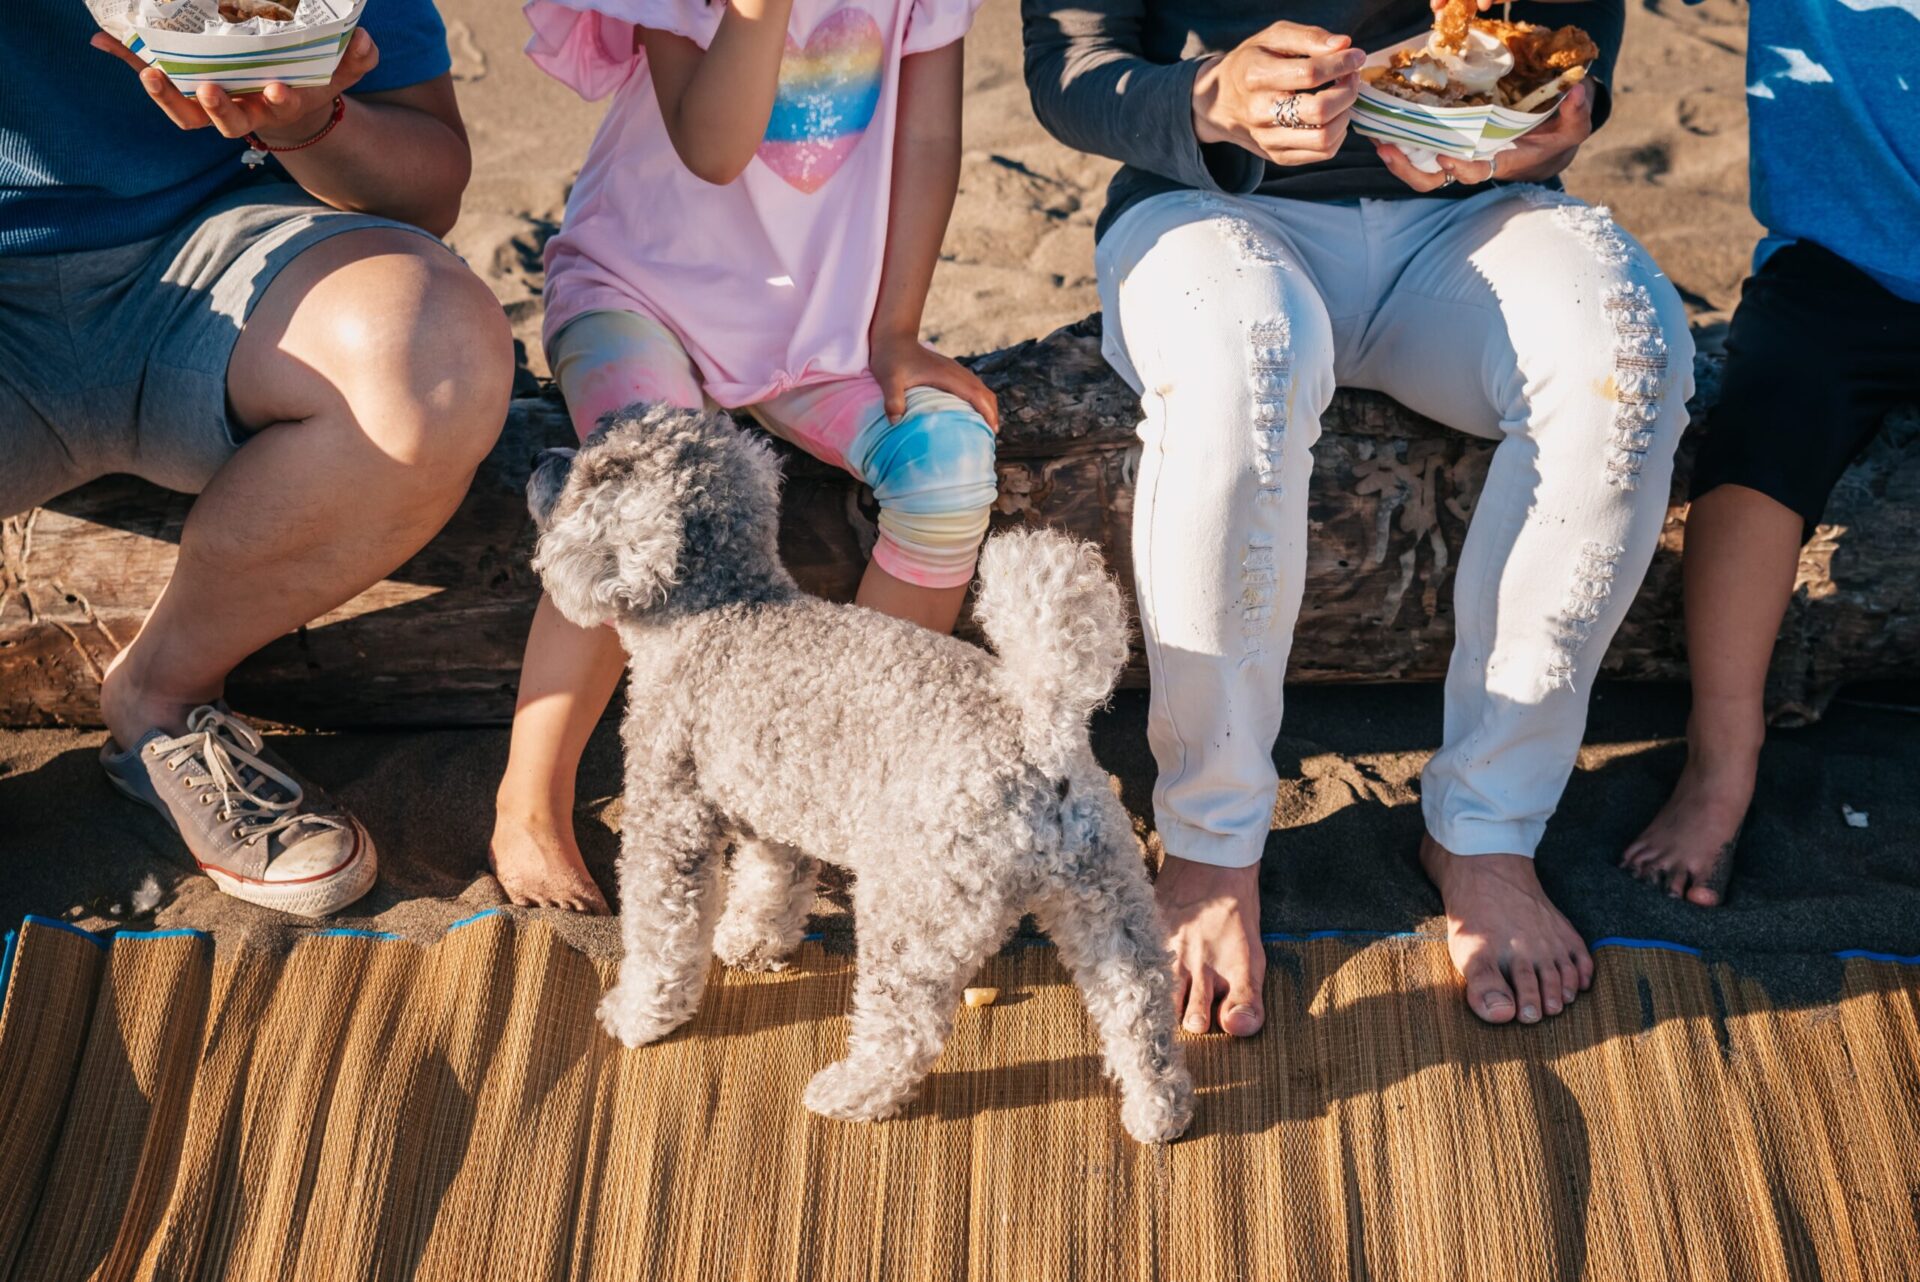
(376, 371)
(1212, 916)
(1742, 551)
(1518, 955)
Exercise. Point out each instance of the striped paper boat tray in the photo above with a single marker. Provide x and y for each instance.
(299, 53)
(1465, 133)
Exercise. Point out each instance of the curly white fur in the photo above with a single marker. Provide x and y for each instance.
(957, 786)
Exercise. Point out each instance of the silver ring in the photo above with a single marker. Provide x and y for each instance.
(1286, 112)
(1448, 181)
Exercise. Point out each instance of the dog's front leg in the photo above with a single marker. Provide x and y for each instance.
(669, 901)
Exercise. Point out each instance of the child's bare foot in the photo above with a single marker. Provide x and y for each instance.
(539, 865)
(1513, 948)
(1688, 848)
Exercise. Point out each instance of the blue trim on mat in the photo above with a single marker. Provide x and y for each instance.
(1861, 954)
(1654, 945)
(36, 919)
(482, 915)
(172, 932)
(11, 942)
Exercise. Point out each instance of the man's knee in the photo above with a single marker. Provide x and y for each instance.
(424, 357)
(934, 477)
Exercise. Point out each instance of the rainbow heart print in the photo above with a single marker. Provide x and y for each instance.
(829, 91)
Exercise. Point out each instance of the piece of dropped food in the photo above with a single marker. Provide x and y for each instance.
(977, 997)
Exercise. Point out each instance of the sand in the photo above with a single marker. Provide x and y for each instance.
(1018, 262)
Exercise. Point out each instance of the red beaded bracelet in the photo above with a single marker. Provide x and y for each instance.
(257, 151)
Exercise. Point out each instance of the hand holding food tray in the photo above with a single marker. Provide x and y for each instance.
(240, 45)
(1470, 92)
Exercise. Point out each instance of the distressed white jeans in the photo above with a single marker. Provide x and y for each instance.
(1519, 315)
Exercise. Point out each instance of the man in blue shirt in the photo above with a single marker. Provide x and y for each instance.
(1825, 342)
(290, 342)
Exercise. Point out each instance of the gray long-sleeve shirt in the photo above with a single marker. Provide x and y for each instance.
(1115, 78)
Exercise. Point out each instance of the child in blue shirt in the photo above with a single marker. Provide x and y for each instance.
(1825, 342)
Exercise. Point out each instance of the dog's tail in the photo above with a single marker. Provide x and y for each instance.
(1056, 619)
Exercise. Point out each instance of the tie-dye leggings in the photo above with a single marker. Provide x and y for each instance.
(932, 472)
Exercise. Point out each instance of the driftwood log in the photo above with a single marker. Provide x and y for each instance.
(439, 642)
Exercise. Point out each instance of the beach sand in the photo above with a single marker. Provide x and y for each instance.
(1019, 256)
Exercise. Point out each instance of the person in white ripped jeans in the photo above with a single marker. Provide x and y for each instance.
(1513, 312)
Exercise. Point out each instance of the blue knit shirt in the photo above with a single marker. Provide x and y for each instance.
(86, 159)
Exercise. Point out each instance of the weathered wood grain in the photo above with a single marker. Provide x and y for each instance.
(440, 641)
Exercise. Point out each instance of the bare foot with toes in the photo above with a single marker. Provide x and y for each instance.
(1519, 956)
(1687, 850)
(539, 866)
(1212, 917)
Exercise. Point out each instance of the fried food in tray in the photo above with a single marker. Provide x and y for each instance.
(246, 10)
(1486, 61)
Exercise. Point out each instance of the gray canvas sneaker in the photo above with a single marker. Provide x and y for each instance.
(260, 831)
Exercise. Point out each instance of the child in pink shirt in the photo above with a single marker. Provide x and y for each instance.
(756, 226)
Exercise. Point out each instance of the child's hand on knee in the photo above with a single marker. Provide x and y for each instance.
(903, 361)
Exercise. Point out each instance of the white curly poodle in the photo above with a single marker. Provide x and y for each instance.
(958, 786)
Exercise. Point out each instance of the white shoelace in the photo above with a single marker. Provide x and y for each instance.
(228, 749)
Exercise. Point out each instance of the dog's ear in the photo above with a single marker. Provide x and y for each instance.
(611, 542)
(549, 477)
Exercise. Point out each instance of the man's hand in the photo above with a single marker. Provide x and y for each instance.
(278, 115)
(901, 361)
(1535, 157)
(1212, 916)
(1236, 95)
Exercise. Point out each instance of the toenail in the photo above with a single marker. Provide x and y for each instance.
(1528, 1012)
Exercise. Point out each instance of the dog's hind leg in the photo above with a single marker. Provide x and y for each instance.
(919, 945)
(1101, 915)
(769, 893)
(669, 902)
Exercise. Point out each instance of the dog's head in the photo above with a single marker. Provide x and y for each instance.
(663, 510)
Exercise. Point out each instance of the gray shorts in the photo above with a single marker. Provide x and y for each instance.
(115, 360)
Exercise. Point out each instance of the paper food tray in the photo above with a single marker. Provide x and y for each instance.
(301, 53)
(1465, 133)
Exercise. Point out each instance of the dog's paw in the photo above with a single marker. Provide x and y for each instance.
(1158, 1111)
(636, 1021)
(745, 948)
(856, 1093)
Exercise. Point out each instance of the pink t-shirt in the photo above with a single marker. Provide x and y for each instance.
(769, 281)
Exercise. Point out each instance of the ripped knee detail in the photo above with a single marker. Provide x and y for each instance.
(933, 475)
(1640, 375)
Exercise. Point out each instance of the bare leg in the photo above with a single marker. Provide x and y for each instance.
(567, 678)
(904, 998)
(1516, 952)
(669, 902)
(1103, 920)
(1213, 927)
(1742, 552)
(769, 895)
(931, 608)
(376, 371)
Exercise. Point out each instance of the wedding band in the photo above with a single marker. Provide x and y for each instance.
(1493, 167)
(1448, 181)
(1286, 112)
